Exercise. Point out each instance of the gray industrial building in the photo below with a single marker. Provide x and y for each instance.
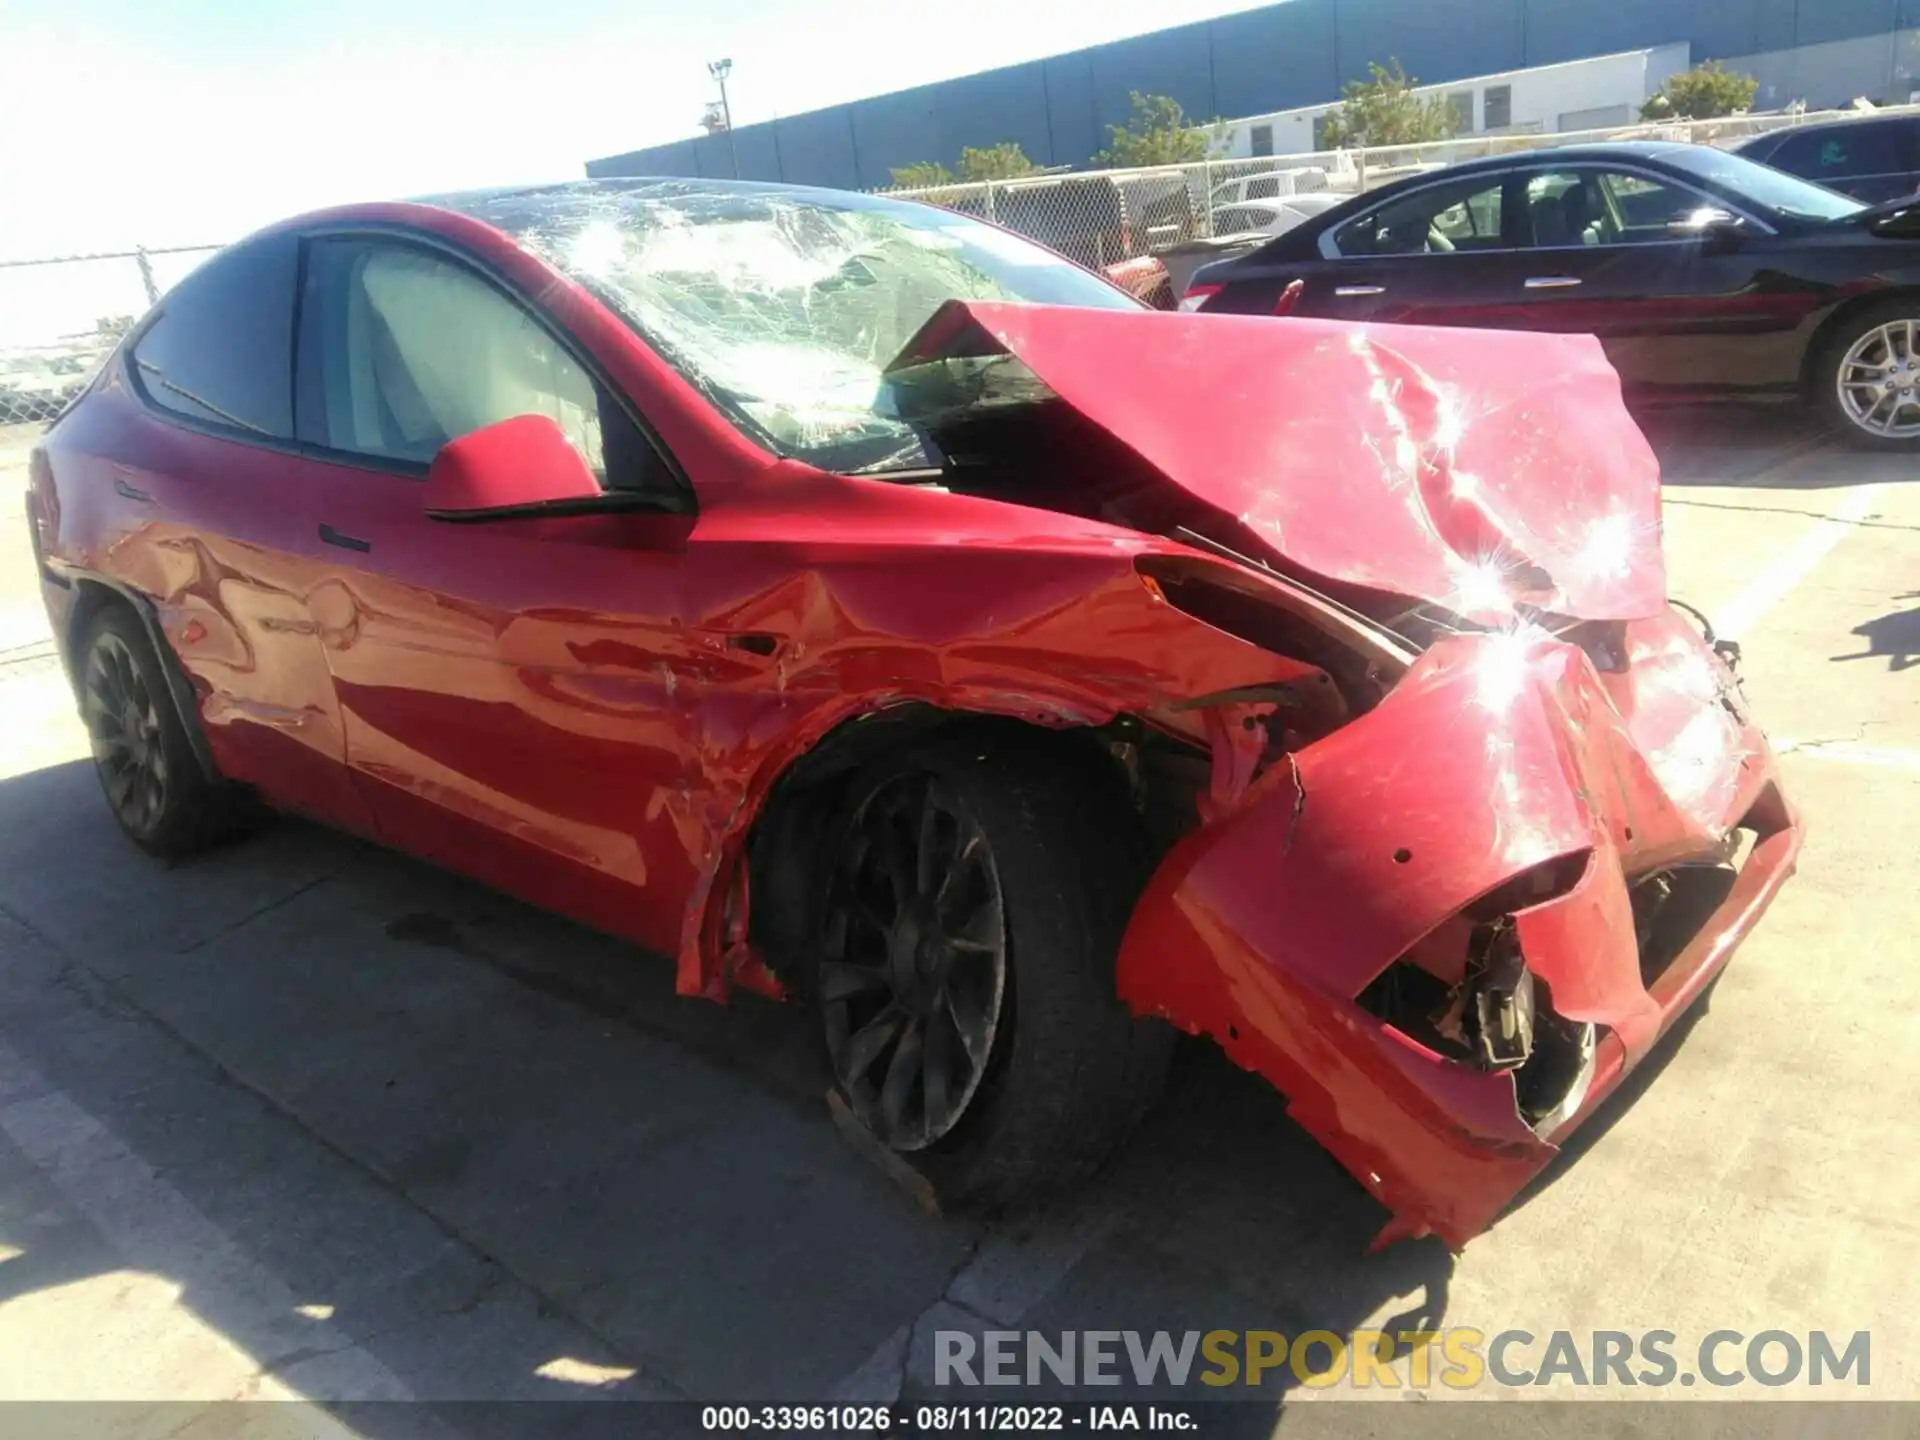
(1825, 52)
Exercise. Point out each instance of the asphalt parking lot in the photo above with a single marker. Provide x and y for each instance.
(306, 1118)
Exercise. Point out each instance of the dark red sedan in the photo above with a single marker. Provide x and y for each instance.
(1705, 275)
(856, 602)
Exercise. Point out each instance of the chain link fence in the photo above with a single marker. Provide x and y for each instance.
(1114, 220)
(59, 318)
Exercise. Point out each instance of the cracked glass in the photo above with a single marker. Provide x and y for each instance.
(784, 306)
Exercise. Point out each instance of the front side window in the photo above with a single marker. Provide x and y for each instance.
(1586, 207)
(1438, 219)
(219, 351)
(402, 350)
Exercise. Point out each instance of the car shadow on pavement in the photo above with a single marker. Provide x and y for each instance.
(1893, 637)
(1622, 1101)
(1759, 446)
(493, 1156)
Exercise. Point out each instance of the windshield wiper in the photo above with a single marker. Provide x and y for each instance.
(608, 502)
(905, 475)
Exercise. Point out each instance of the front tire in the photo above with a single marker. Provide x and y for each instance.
(1867, 379)
(151, 778)
(974, 902)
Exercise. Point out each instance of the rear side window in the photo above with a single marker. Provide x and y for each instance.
(1438, 219)
(220, 350)
(1843, 154)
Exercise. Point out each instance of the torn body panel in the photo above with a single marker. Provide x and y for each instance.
(1476, 470)
(1497, 755)
(1063, 634)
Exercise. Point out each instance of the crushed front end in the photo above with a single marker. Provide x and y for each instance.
(1449, 929)
(1448, 926)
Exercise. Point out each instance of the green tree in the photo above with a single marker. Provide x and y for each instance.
(1385, 109)
(1705, 92)
(1157, 133)
(995, 162)
(921, 174)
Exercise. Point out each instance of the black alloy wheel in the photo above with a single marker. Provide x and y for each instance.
(913, 977)
(971, 905)
(152, 779)
(122, 716)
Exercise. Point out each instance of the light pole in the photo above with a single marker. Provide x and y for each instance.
(719, 70)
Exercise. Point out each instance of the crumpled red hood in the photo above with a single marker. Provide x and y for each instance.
(1473, 469)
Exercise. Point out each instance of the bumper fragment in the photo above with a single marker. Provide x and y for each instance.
(1263, 928)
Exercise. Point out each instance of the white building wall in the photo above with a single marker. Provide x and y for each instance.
(1881, 68)
(1591, 94)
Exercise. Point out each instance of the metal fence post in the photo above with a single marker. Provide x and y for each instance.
(146, 275)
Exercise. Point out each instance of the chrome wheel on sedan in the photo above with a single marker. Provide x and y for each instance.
(1871, 369)
(1880, 380)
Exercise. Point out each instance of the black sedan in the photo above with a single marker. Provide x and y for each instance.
(1704, 274)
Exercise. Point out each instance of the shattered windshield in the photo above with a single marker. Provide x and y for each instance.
(783, 305)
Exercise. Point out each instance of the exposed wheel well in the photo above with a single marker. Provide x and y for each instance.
(791, 834)
(92, 596)
(1837, 321)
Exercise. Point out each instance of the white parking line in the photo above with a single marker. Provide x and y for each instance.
(1774, 583)
(159, 1232)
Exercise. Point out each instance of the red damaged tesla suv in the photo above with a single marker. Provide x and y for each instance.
(859, 603)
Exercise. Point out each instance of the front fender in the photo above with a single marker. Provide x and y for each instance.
(1089, 641)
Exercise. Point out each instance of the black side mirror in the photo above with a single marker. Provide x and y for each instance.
(1716, 229)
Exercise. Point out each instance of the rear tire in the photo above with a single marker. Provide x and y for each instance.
(974, 900)
(148, 771)
(1866, 380)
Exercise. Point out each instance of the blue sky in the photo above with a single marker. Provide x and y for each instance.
(181, 121)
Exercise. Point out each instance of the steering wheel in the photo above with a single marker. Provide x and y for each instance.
(1438, 244)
